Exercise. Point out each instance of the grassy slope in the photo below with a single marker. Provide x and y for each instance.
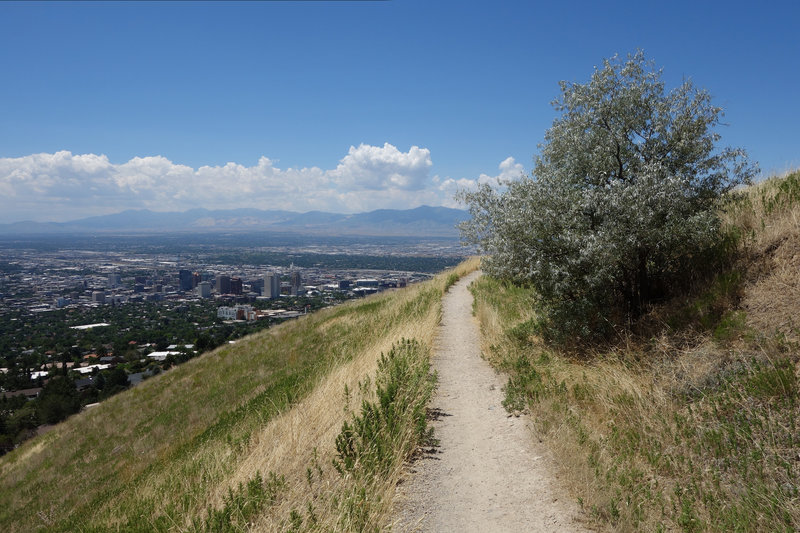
(194, 439)
(695, 427)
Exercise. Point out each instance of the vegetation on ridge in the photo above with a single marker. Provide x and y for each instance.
(691, 424)
(633, 232)
(622, 209)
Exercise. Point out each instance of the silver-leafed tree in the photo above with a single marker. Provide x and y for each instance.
(623, 205)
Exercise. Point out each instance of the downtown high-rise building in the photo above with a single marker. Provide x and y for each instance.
(236, 286)
(204, 289)
(272, 285)
(185, 279)
(297, 282)
(223, 284)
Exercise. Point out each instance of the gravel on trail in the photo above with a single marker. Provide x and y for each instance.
(488, 472)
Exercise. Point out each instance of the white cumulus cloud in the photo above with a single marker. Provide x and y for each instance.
(509, 170)
(378, 168)
(64, 186)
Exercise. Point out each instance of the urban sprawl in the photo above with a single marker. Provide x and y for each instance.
(83, 325)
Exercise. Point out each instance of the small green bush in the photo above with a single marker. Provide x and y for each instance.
(451, 280)
(367, 445)
(787, 195)
(242, 504)
(385, 432)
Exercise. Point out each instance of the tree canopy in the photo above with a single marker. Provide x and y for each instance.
(622, 207)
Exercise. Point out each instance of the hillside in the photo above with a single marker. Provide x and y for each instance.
(246, 434)
(689, 423)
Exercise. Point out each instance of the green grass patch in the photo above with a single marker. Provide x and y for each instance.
(243, 504)
(711, 307)
(451, 280)
(784, 194)
(385, 432)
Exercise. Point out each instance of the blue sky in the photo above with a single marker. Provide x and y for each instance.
(343, 106)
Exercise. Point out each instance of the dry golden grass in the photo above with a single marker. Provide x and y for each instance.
(770, 219)
(691, 430)
(555, 419)
(630, 435)
(159, 456)
(298, 438)
(307, 432)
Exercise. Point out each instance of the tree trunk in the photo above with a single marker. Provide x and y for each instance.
(642, 284)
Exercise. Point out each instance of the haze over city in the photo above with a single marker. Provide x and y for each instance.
(342, 106)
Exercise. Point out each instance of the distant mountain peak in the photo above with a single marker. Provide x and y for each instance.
(421, 221)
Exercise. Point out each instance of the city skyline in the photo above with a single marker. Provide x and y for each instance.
(342, 106)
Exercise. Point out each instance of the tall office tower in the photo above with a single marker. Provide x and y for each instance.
(185, 277)
(272, 285)
(223, 284)
(204, 289)
(236, 285)
(196, 279)
(257, 285)
(114, 280)
(297, 281)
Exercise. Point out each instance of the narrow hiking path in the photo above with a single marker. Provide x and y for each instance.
(488, 474)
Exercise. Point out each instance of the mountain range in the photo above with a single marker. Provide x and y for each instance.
(423, 221)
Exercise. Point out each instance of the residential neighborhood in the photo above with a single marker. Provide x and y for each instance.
(91, 323)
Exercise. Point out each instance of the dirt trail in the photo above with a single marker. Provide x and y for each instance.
(489, 474)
